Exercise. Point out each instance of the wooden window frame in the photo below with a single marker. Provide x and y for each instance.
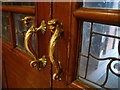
(16, 9)
(79, 15)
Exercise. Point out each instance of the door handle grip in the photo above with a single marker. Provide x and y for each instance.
(38, 63)
(56, 29)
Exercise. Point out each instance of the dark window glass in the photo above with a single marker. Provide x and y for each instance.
(21, 31)
(5, 27)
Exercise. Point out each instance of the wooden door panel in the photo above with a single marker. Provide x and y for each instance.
(43, 39)
(62, 12)
(4, 79)
(20, 74)
(43, 11)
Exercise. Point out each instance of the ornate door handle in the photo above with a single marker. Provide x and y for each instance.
(38, 63)
(56, 29)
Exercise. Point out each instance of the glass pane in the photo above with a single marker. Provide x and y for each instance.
(5, 27)
(98, 74)
(102, 46)
(20, 32)
(107, 4)
(18, 3)
(93, 63)
(82, 66)
(106, 29)
(86, 37)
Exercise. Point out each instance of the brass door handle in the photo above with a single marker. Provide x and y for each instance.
(57, 29)
(38, 63)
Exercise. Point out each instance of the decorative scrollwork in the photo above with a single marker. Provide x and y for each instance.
(110, 66)
(38, 63)
(56, 29)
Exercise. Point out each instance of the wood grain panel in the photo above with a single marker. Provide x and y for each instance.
(12, 30)
(62, 12)
(18, 71)
(16, 9)
(75, 43)
(81, 85)
(43, 12)
(4, 78)
(103, 16)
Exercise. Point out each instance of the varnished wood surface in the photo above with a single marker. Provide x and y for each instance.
(80, 85)
(43, 13)
(18, 71)
(21, 75)
(4, 79)
(103, 16)
(68, 44)
(75, 43)
(62, 12)
(12, 30)
(16, 9)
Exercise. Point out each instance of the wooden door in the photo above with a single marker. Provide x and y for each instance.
(74, 43)
(68, 48)
(17, 72)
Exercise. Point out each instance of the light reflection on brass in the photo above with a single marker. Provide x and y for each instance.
(38, 63)
(57, 29)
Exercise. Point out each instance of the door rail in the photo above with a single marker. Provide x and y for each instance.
(16, 9)
(103, 16)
